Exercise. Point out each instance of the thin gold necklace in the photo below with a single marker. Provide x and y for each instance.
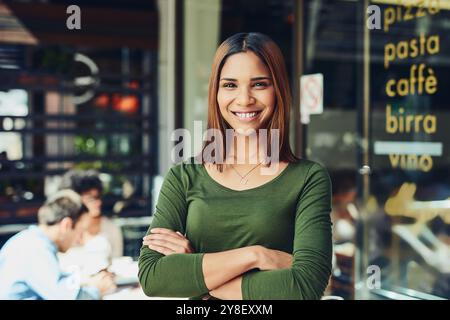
(244, 180)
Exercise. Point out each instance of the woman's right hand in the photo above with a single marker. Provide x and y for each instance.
(167, 242)
(269, 259)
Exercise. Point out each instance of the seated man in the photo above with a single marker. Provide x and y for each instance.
(29, 267)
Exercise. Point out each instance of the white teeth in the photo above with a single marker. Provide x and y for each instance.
(246, 114)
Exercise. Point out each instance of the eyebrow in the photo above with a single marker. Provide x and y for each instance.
(252, 79)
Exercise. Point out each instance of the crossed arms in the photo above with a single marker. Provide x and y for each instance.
(222, 271)
(170, 268)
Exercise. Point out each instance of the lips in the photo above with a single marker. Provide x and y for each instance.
(247, 115)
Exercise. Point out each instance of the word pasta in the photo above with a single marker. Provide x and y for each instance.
(411, 49)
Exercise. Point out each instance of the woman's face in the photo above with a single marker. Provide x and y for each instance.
(92, 200)
(246, 95)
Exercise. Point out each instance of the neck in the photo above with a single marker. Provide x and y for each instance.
(51, 232)
(246, 150)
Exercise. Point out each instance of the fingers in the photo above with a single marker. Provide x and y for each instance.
(107, 285)
(165, 238)
(106, 277)
(103, 281)
(110, 284)
(173, 247)
(177, 234)
(166, 231)
(163, 243)
(102, 275)
(163, 250)
(180, 234)
(167, 241)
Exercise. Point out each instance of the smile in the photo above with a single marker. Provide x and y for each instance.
(247, 116)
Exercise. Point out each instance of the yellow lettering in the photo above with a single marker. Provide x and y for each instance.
(389, 90)
(414, 49)
(400, 120)
(416, 80)
(433, 44)
(412, 161)
(420, 11)
(411, 48)
(391, 121)
(434, 6)
(408, 15)
(402, 87)
(422, 44)
(423, 163)
(431, 82)
(394, 159)
(389, 18)
(407, 123)
(417, 119)
(402, 50)
(389, 54)
(429, 124)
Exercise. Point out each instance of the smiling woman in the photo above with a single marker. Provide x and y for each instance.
(225, 230)
(249, 90)
(245, 103)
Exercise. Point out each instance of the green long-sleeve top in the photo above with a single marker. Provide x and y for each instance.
(290, 213)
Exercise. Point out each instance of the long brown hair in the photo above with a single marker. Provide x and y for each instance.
(270, 54)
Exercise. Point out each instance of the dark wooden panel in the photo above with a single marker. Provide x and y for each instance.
(46, 24)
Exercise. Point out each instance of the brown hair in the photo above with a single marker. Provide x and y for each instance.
(270, 54)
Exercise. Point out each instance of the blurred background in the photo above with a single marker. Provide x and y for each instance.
(108, 96)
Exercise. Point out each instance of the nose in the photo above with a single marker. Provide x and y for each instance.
(244, 98)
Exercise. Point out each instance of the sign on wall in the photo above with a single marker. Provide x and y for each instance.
(311, 96)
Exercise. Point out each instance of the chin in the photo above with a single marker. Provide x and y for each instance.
(246, 131)
(95, 215)
(63, 250)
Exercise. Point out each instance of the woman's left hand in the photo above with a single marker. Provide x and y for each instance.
(167, 242)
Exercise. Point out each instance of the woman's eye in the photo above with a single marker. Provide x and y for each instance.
(260, 84)
(229, 85)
